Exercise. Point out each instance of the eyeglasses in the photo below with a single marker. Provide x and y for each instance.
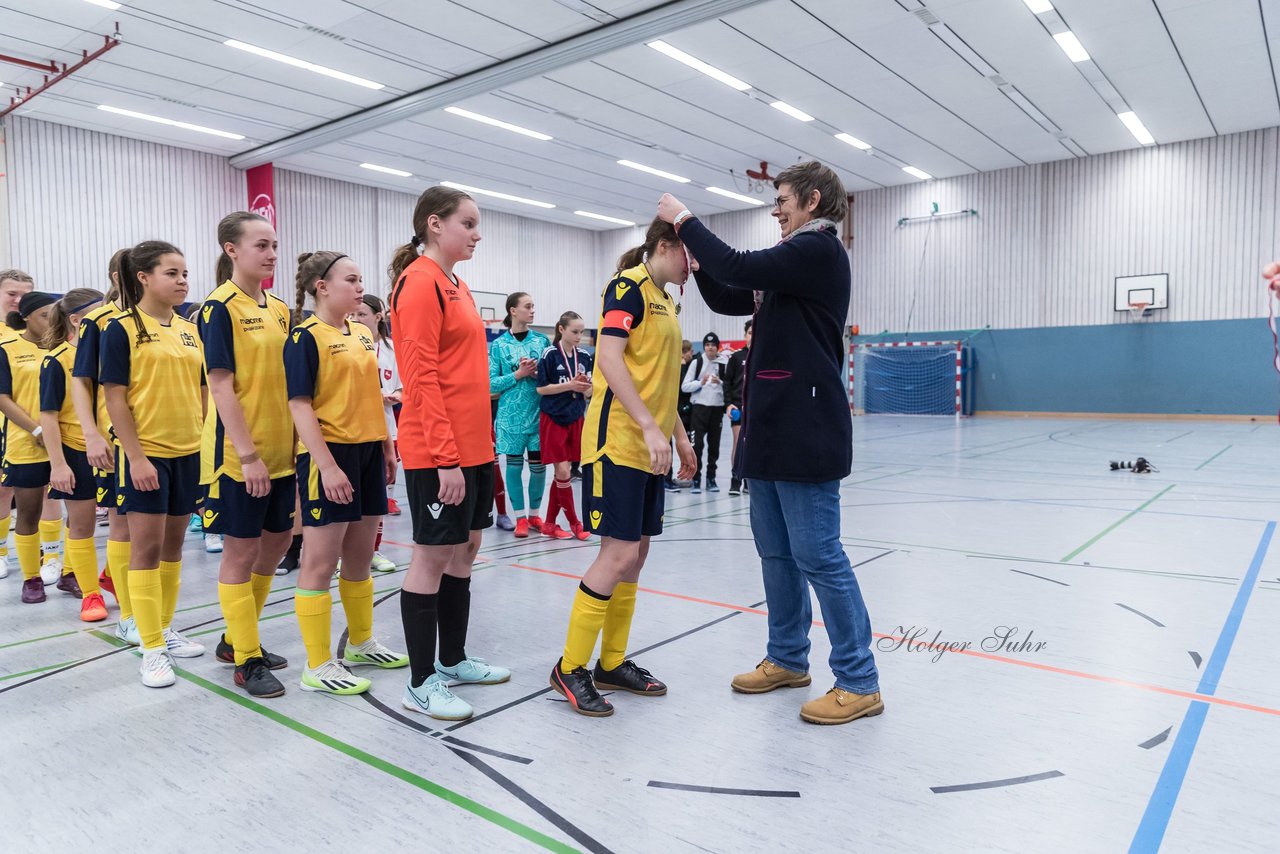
(778, 200)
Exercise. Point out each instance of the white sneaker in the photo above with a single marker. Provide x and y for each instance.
(127, 631)
(373, 652)
(157, 669)
(213, 543)
(331, 677)
(434, 698)
(4, 563)
(382, 563)
(179, 647)
(51, 571)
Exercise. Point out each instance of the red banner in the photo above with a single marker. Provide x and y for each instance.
(262, 197)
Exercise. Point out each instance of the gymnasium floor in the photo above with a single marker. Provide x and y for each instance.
(1149, 717)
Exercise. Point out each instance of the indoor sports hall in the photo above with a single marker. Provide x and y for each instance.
(1061, 366)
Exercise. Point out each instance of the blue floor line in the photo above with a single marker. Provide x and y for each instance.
(1155, 820)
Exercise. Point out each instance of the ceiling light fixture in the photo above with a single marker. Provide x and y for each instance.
(498, 123)
(612, 219)
(510, 198)
(302, 63)
(1071, 46)
(730, 195)
(917, 173)
(784, 107)
(1039, 6)
(631, 164)
(162, 121)
(698, 65)
(400, 173)
(1136, 127)
(854, 141)
(106, 4)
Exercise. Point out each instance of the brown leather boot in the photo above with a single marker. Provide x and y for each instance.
(766, 677)
(838, 706)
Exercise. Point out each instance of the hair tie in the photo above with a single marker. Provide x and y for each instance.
(415, 241)
(81, 308)
(325, 274)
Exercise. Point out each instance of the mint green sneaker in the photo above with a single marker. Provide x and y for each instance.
(127, 631)
(332, 678)
(474, 671)
(373, 652)
(434, 698)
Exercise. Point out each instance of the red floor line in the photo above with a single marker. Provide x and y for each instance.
(1047, 668)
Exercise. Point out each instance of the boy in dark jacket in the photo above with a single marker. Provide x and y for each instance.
(734, 373)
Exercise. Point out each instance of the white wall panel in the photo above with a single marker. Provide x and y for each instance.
(76, 196)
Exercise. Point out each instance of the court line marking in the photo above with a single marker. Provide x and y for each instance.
(1214, 457)
(1116, 524)
(1155, 819)
(996, 784)
(1146, 617)
(717, 790)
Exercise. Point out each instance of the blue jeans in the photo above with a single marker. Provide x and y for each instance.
(797, 533)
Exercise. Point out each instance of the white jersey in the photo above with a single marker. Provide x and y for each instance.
(389, 377)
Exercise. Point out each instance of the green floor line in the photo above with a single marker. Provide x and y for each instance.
(1116, 524)
(1214, 457)
(448, 795)
(38, 670)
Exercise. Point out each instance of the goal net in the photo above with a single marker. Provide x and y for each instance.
(906, 377)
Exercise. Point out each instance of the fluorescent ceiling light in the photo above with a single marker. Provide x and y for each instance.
(698, 65)
(376, 168)
(106, 4)
(1136, 127)
(1039, 6)
(466, 189)
(784, 107)
(158, 120)
(467, 114)
(729, 195)
(917, 173)
(612, 219)
(302, 63)
(853, 140)
(631, 164)
(1071, 46)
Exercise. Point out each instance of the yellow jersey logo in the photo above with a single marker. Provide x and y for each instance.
(596, 516)
(620, 290)
(206, 313)
(102, 493)
(119, 500)
(297, 336)
(315, 513)
(209, 518)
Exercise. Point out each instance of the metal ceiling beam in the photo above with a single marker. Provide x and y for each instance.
(635, 29)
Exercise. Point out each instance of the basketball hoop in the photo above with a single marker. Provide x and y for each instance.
(1138, 309)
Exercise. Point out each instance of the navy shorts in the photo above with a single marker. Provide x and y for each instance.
(622, 502)
(365, 466)
(86, 484)
(230, 510)
(179, 486)
(106, 482)
(436, 524)
(25, 475)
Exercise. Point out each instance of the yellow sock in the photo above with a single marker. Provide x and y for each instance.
(83, 560)
(146, 589)
(4, 534)
(357, 604)
(585, 620)
(261, 590)
(242, 622)
(50, 539)
(314, 609)
(28, 548)
(118, 557)
(171, 578)
(617, 625)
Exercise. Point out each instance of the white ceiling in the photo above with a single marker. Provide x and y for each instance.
(918, 93)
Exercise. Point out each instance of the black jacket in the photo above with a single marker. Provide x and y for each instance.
(733, 376)
(795, 420)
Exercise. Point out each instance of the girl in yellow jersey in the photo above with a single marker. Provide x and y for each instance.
(26, 465)
(247, 452)
(626, 452)
(13, 284)
(91, 408)
(332, 372)
(151, 372)
(71, 475)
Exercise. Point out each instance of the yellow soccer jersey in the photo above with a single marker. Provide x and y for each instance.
(164, 370)
(247, 339)
(92, 325)
(637, 309)
(20, 379)
(55, 394)
(338, 369)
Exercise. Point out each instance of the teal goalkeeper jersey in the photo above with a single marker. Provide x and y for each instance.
(518, 403)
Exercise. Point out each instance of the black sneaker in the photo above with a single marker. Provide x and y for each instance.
(711, 485)
(580, 691)
(227, 655)
(746, 487)
(735, 487)
(254, 677)
(289, 562)
(697, 486)
(629, 676)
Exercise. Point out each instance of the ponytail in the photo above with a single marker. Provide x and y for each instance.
(113, 274)
(15, 321)
(72, 302)
(658, 232)
(142, 258)
(563, 323)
